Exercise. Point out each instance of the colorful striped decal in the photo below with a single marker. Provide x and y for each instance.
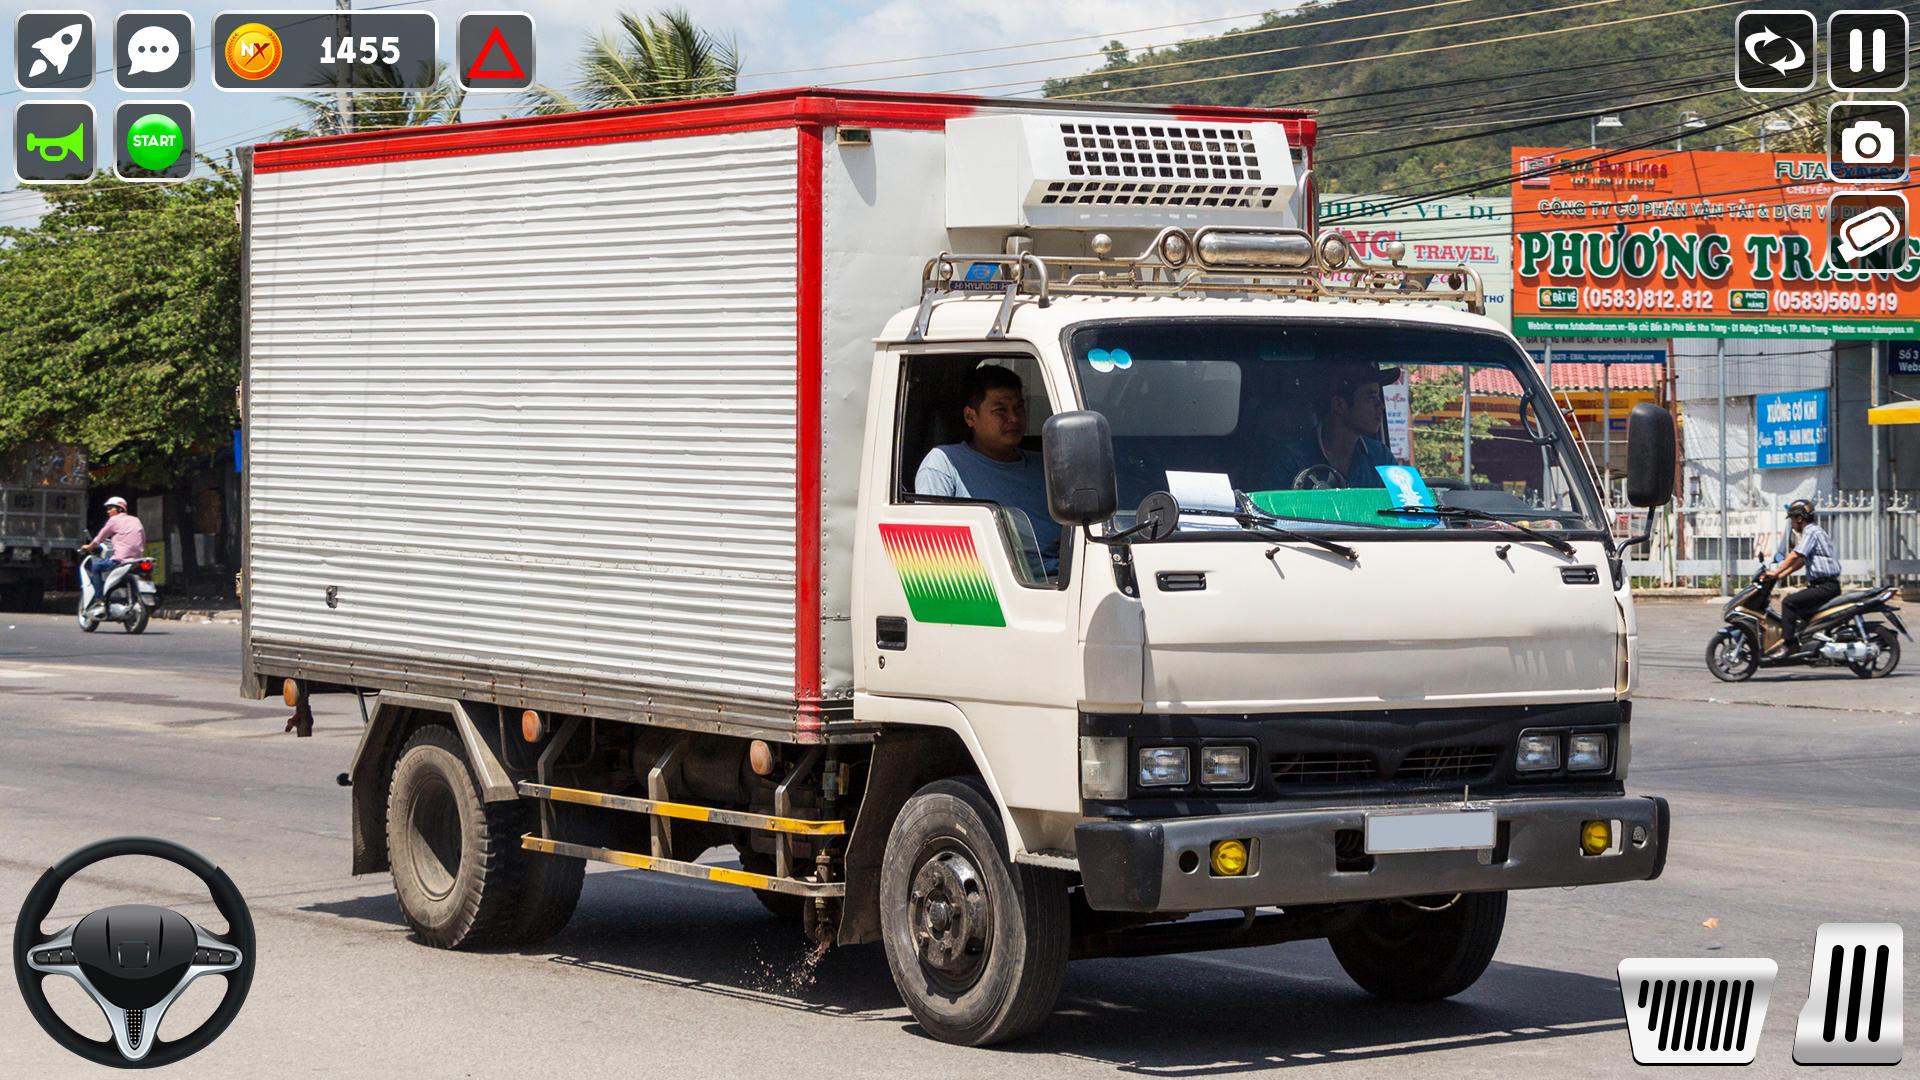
(942, 575)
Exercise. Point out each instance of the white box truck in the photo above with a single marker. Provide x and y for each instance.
(667, 489)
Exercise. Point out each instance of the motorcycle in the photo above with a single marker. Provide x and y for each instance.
(1838, 633)
(127, 590)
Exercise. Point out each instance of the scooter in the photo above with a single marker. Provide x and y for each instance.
(128, 592)
(1838, 633)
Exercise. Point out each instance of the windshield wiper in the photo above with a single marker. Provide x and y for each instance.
(1260, 523)
(1469, 514)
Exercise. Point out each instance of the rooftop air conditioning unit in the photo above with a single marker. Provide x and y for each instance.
(1102, 171)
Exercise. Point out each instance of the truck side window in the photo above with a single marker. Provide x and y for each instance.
(935, 449)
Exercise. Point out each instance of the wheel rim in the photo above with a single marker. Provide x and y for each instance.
(1731, 652)
(951, 918)
(1884, 656)
(435, 824)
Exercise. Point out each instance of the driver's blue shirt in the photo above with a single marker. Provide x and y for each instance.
(958, 471)
(1359, 469)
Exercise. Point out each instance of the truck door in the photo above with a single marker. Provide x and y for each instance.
(958, 601)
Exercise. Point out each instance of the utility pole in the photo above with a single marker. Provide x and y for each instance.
(343, 62)
(1727, 564)
(1876, 357)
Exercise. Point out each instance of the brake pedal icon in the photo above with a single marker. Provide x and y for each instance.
(1853, 1013)
(1696, 1011)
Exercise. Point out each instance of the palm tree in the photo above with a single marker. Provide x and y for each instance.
(662, 57)
(389, 106)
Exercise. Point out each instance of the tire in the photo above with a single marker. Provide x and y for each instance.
(457, 864)
(997, 931)
(549, 891)
(136, 621)
(1731, 655)
(1403, 953)
(1889, 642)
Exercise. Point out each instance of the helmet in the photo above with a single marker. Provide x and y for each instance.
(1801, 508)
(117, 501)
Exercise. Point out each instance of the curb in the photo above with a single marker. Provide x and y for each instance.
(227, 615)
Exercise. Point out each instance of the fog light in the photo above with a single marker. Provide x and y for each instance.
(1229, 858)
(1223, 766)
(1164, 766)
(1103, 767)
(1587, 752)
(1537, 753)
(1596, 837)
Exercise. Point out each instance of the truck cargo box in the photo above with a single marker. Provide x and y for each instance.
(565, 412)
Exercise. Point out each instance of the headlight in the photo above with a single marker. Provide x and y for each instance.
(1223, 766)
(1103, 767)
(1164, 766)
(1538, 752)
(1587, 752)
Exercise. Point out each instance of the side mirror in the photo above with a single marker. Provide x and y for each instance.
(1077, 448)
(1650, 455)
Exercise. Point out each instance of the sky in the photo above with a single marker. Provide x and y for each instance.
(998, 47)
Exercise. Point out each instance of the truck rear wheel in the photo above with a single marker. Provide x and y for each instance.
(977, 944)
(549, 891)
(1415, 950)
(454, 857)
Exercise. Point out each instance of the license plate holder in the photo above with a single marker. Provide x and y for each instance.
(1444, 830)
(146, 588)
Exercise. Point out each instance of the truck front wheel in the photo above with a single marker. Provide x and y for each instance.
(1418, 950)
(977, 944)
(455, 858)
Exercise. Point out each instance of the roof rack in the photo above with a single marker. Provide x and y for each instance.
(1211, 260)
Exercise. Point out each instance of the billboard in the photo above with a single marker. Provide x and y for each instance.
(1659, 243)
(1443, 232)
(1793, 431)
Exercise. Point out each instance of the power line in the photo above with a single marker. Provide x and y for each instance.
(1379, 56)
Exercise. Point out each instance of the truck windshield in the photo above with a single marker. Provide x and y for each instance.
(1327, 424)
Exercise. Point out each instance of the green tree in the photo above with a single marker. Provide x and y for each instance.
(119, 322)
(659, 57)
(385, 105)
(1438, 446)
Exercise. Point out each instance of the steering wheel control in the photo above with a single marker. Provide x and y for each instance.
(134, 960)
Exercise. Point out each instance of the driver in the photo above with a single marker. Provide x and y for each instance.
(1344, 448)
(1815, 552)
(990, 465)
(129, 543)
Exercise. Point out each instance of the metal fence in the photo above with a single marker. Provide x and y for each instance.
(1686, 544)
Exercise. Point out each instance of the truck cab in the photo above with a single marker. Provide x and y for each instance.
(1264, 674)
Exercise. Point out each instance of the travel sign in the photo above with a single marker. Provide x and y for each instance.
(1659, 243)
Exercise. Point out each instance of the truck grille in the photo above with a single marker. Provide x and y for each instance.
(1323, 769)
(1448, 762)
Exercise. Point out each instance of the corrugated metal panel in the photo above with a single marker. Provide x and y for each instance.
(534, 409)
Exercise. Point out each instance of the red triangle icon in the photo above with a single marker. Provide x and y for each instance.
(513, 65)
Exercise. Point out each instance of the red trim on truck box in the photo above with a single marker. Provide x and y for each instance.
(807, 294)
(746, 112)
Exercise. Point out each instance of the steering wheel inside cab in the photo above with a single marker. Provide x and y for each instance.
(134, 960)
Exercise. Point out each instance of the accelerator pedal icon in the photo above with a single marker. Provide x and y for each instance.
(1853, 1013)
(1694, 1011)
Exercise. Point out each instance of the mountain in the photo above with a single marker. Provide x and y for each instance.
(1419, 96)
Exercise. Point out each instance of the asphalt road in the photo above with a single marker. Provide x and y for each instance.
(1785, 818)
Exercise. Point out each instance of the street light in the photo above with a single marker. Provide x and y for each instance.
(1593, 129)
(1689, 121)
(1775, 126)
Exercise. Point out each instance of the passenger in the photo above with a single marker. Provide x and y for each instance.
(1343, 449)
(1815, 552)
(990, 465)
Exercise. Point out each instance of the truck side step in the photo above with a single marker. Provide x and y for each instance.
(685, 811)
(721, 874)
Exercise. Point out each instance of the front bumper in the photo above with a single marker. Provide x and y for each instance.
(1136, 865)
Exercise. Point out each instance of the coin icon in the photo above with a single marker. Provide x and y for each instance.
(253, 51)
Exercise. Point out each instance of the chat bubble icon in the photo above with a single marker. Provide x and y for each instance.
(151, 50)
